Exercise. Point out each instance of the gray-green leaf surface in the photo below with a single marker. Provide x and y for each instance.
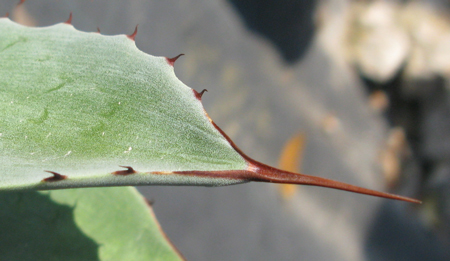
(81, 104)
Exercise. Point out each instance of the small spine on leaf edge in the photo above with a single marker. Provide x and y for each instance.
(199, 95)
(171, 61)
(129, 170)
(56, 176)
(133, 35)
(69, 21)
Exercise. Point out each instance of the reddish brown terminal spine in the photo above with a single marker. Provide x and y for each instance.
(257, 171)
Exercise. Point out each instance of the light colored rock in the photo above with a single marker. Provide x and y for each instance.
(429, 30)
(379, 44)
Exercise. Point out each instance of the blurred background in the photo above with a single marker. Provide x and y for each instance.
(356, 91)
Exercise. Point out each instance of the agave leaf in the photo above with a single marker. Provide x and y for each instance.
(81, 224)
(77, 105)
(81, 104)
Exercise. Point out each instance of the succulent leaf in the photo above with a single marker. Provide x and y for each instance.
(81, 104)
(81, 224)
(75, 106)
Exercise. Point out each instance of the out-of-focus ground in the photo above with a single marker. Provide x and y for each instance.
(357, 91)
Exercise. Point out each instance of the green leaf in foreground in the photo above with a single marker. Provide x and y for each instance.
(75, 106)
(81, 224)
